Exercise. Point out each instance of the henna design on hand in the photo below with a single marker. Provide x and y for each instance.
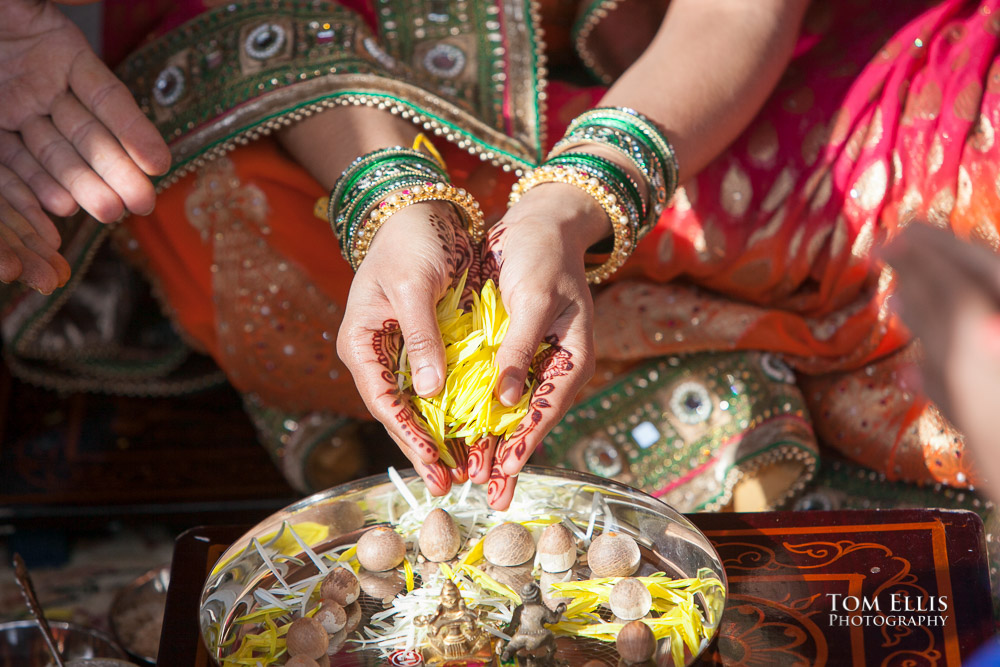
(477, 455)
(492, 260)
(386, 344)
(455, 242)
(553, 363)
(436, 475)
(498, 483)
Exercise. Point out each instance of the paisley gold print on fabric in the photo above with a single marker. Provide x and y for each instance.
(763, 144)
(841, 126)
(736, 191)
(993, 80)
(768, 230)
(982, 136)
(939, 212)
(985, 233)
(897, 166)
(870, 188)
(864, 240)
(712, 241)
(688, 192)
(927, 102)
(875, 130)
(856, 141)
(839, 239)
(800, 101)
(909, 205)
(756, 273)
(935, 155)
(261, 299)
(817, 242)
(814, 143)
(779, 192)
(967, 103)
(818, 189)
(665, 249)
(964, 192)
(795, 244)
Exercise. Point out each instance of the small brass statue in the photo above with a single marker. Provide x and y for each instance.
(453, 633)
(531, 640)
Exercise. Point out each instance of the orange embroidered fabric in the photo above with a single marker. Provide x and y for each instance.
(881, 119)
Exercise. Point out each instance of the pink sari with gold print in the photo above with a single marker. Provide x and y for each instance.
(880, 120)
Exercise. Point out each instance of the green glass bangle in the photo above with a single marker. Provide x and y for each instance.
(336, 210)
(363, 206)
(663, 182)
(636, 151)
(384, 166)
(636, 122)
(368, 162)
(337, 215)
(376, 156)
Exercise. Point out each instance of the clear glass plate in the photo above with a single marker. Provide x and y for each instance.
(589, 505)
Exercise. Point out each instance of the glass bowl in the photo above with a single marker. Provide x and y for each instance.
(588, 505)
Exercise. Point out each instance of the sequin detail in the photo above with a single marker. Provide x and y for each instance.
(169, 86)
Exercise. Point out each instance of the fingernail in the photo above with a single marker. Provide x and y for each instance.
(426, 380)
(510, 391)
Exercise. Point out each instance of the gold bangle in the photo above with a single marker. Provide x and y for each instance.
(621, 224)
(397, 201)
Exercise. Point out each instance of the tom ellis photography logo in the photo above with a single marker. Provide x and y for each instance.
(892, 610)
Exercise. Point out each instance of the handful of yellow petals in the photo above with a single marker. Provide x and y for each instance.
(467, 407)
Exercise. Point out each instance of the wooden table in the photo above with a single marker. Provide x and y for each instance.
(803, 588)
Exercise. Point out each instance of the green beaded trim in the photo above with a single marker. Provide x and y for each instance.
(207, 92)
(686, 428)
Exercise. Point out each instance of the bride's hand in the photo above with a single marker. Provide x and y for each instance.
(536, 256)
(417, 254)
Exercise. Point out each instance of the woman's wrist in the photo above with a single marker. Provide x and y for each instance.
(578, 217)
(399, 227)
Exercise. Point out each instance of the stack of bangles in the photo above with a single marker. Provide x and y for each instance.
(383, 182)
(643, 145)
